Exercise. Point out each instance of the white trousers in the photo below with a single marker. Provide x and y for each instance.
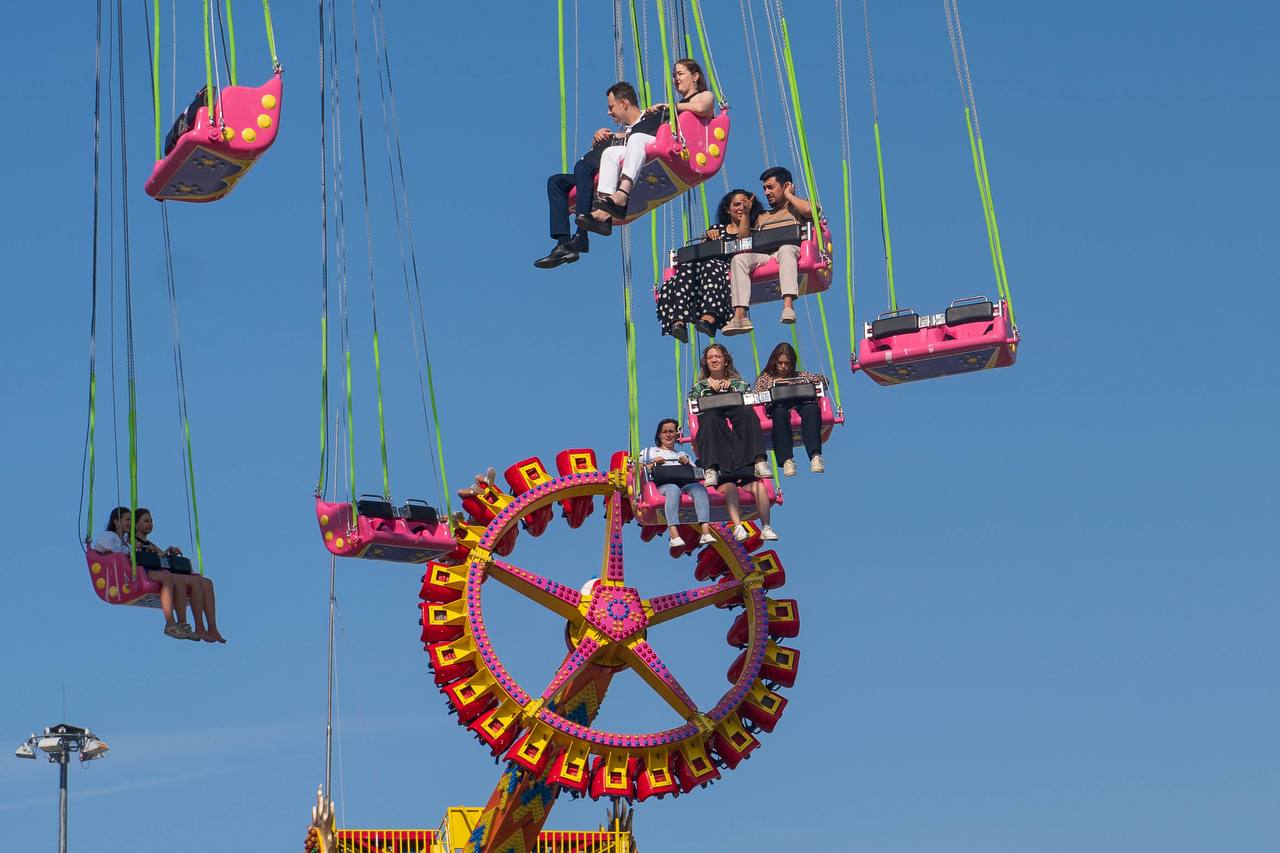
(622, 160)
(744, 263)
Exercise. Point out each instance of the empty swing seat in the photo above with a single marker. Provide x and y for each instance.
(759, 402)
(413, 533)
(116, 581)
(902, 346)
(207, 160)
(674, 164)
(650, 509)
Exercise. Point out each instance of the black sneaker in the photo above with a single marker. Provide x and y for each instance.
(563, 253)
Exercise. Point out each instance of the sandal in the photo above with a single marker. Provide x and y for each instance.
(191, 633)
(173, 629)
(595, 226)
(611, 207)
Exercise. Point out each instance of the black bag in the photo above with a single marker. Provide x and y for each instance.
(680, 475)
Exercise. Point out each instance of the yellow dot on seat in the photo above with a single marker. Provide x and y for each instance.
(338, 542)
(228, 134)
(324, 519)
(95, 568)
(126, 589)
(264, 120)
(268, 102)
(701, 159)
(718, 133)
(248, 134)
(113, 592)
(328, 535)
(713, 150)
(100, 583)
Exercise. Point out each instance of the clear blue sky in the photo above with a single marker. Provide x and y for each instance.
(1036, 608)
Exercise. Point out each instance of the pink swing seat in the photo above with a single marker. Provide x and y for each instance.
(208, 160)
(759, 400)
(650, 508)
(116, 581)
(972, 334)
(674, 164)
(398, 539)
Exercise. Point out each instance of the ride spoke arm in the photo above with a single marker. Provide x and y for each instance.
(641, 657)
(556, 597)
(580, 657)
(664, 608)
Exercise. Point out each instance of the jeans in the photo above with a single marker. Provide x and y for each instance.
(696, 491)
(810, 428)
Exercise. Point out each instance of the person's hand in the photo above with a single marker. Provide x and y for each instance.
(656, 107)
(173, 550)
(789, 191)
(683, 459)
(601, 135)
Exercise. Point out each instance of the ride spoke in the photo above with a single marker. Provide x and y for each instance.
(586, 651)
(664, 608)
(641, 657)
(556, 597)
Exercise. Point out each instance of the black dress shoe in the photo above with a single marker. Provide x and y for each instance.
(563, 253)
(580, 243)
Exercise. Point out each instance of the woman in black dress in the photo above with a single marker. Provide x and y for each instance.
(698, 293)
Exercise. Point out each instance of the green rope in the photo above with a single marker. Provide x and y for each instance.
(324, 403)
(848, 249)
(986, 202)
(351, 443)
(831, 358)
(645, 94)
(271, 34)
(708, 65)
(884, 221)
(564, 103)
(666, 64)
(382, 423)
(680, 392)
(133, 472)
(155, 73)
(706, 208)
(995, 228)
(231, 43)
(93, 457)
(191, 479)
(208, 67)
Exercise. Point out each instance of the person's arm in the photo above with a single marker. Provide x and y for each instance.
(699, 388)
(739, 385)
(600, 136)
(702, 105)
(764, 382)
(800, 206)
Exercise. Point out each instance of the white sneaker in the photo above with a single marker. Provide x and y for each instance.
(766, 532)
(762, 470)
(709, 478)
(789, 468)
(706, 539)
(788, 316)
(677, 543)
(740, 532)
(816, 466)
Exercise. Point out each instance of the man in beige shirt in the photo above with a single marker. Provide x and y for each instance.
(785, 208)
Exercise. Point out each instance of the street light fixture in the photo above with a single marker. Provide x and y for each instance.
(59, 743)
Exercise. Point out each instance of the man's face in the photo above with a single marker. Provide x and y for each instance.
(617, 109)
(773, 191)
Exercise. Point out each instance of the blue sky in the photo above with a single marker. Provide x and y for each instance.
(1036, 609)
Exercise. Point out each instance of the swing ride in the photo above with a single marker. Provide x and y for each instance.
(546, 735)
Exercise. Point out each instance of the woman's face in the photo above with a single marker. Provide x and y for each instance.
(145, 525)
(740, 206)
(715, 361)
(783, 362)
(685, 81)
(667, 435)
(122, 523)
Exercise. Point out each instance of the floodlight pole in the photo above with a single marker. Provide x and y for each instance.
(64, 759)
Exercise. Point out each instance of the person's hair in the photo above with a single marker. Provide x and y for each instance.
(722, 211)
(729, 370)
(116, 514)
(771, 367)
(657, 433)
(142, 510)
(694, 69)
(781, 173)
(624, 91)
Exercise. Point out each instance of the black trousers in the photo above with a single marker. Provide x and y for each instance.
(558, 186)
(810, 428)
(726, 448)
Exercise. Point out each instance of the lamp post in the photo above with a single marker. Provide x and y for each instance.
(59, 742)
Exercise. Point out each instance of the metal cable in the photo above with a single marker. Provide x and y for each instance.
(871, 62)
(755, 87)
(128, 270)
(88, 462)
(382, 48)
(792, 147)
(968, 78)
(324, 273)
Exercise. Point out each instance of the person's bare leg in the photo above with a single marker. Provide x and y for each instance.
(673, 531)
(166, 596)
(623, 193)
(180, 589)
(730, 492)
(210, 607)
(196, 591)
(762, 501)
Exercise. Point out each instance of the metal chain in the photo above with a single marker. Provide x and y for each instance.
(968, 78)
(743, 11)
(774, 37)
(842, 83)
(871, 62)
